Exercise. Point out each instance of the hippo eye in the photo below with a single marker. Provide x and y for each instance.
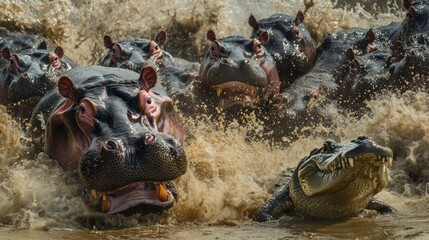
(82, 109)
(110, 145)
(149, 101)
(156, 47)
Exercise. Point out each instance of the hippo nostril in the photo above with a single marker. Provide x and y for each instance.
(110, 145)
(149, 138)
(25, 75)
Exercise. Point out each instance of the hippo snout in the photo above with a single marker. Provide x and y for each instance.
(246, 71)
(115, 163)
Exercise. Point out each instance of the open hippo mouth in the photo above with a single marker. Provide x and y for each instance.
(148, 196)
(235, 93)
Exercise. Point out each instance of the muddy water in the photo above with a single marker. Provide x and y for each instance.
(228, 177)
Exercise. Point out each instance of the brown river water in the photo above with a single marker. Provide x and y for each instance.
(228, 176)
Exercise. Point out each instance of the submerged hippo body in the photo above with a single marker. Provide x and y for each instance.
(290, 44)
(28, 75)
(133, 54)
(309, 97)
(119, 131)
(238, 72)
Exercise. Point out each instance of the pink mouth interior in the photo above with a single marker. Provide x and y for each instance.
(135, 194)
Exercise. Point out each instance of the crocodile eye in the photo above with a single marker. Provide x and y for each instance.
(328, 145)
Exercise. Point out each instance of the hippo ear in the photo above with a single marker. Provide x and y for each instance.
(263, 37)
(43, 45)
(148, 78)
(211, 35)
(411, 15)
(59, 51)
(370, 36)
(5, 53)
(161, 38)
(398, 49)
(350, 54)
(407, 4)
(299, 18)
(253, 23)
(107, 42)
(66, 88)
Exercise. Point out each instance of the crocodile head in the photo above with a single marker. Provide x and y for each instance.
(345, 175)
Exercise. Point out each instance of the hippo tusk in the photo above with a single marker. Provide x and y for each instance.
(218, 91)
(94, 193)
(162, 192)
(105, 203)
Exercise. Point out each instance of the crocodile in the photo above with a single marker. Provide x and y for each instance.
(335, 181)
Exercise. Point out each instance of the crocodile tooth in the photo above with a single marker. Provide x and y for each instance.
(351, 162)
(344, 161)
(384, 168)
(389, 161)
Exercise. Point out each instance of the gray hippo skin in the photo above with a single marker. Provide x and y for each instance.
(237, 72)
(335, 181)
(308, 99)
(28, 75)
(133, 54)
(408, 67)
(119, 131)
(290, 44)
(415, 24)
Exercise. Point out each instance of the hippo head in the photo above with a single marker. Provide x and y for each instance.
(360, 78)
(28, 76)
(408, 66)
(133, 54)
(289, 42)
(121, 133)
(416, 20)
(239, 71)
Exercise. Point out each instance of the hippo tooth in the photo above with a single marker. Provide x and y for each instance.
(218, 91)
(94, 193)
(105, 203)
(162, 193)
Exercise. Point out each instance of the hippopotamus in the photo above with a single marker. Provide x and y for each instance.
(133, 54)
(118, 132)
(290, 44)
(180, 84)
(28, 75)
(238, 72)
(17, 42)
(408, 67)
(308, 99)
(360, 79)
(335, 181)
(415, 22)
